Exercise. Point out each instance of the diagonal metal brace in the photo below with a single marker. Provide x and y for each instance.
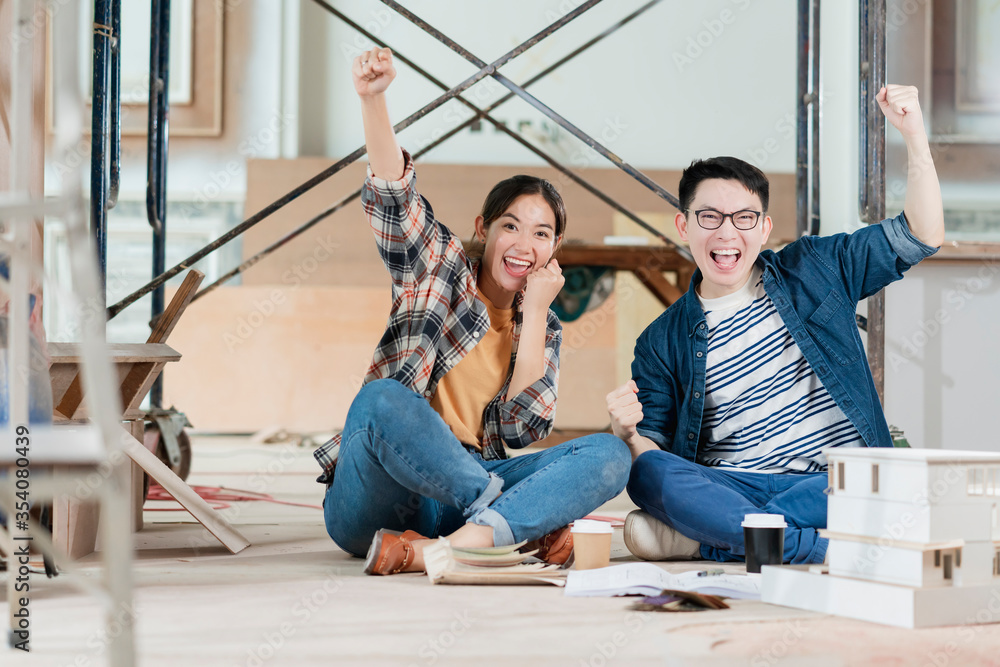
(484, 114)
(538, 104)
(478, 114)
(487, 70)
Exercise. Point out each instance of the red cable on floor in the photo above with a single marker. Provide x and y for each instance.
(217, 497)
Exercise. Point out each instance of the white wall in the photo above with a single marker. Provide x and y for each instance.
(942, 363)
(685, 80)
(839, 117)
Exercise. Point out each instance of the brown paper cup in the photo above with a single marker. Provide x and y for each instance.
(591, 544)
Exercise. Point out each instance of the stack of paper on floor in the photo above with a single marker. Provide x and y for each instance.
(446, 564)
(650, 579)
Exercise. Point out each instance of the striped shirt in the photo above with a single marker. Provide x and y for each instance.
(765, 408)
(436, 318)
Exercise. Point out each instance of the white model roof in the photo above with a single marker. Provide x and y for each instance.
(887, 543)
(929, 456)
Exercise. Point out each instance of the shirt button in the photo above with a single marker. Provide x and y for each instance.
(475, 334)
(690, 436)
(427, 393)
(701, 326)
(699, 355)
(697, 394)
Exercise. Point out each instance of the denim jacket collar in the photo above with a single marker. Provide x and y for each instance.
(693, 312)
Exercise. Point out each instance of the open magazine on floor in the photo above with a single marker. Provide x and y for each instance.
(446, 564)
(650, 579)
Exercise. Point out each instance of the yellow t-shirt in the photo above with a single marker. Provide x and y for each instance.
(464, 392)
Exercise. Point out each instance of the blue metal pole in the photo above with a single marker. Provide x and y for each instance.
(156, 184)
(98, 134)
(115, 103)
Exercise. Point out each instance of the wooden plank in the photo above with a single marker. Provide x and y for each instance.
(144, 388)
(622, 257)
(60, 383)
(72, 399)
(69, 353)
(967, 251)
(66, 358)
(152, 350)
(140, 376)
(131, 377)
(137, 479)
(168, 319)
(661, 288)
(133, 408)
(185, 495)
(74, 523)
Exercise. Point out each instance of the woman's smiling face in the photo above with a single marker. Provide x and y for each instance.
(518, 242)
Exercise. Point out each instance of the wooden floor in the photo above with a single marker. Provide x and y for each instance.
(293, 598)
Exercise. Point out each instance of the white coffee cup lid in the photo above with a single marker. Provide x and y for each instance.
(591, 526)
(764, 521)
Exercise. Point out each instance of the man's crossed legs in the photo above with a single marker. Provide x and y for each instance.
(707, 505)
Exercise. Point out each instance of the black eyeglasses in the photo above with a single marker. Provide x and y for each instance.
(709, 218)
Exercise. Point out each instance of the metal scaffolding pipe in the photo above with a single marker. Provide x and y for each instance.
(871, 157)
(157, 139)
(116, 103)
(808, 119)
(102, 55)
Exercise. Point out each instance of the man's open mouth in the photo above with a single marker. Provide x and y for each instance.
(726, 258)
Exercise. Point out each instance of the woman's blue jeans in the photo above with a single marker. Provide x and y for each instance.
(707, 504)
(39, 384)
(400, 467)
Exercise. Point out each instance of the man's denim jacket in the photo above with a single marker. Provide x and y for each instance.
(815, 284)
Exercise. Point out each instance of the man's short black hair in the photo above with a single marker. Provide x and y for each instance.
(726, 168)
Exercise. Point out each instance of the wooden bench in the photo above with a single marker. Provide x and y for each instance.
(74, 525)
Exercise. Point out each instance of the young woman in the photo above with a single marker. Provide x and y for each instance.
(469, 362)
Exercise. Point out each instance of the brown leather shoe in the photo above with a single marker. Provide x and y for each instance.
(555, 547)
(391, 552)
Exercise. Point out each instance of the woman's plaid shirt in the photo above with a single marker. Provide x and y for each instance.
(436, 318)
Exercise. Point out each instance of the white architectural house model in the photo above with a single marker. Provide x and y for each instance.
(914, 540)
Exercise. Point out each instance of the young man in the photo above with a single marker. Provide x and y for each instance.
(742, 382)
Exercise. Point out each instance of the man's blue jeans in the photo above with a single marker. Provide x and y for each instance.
(707, 504)
(400, 467)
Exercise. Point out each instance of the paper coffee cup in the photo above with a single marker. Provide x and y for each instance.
(591, 544)
(764, 540)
